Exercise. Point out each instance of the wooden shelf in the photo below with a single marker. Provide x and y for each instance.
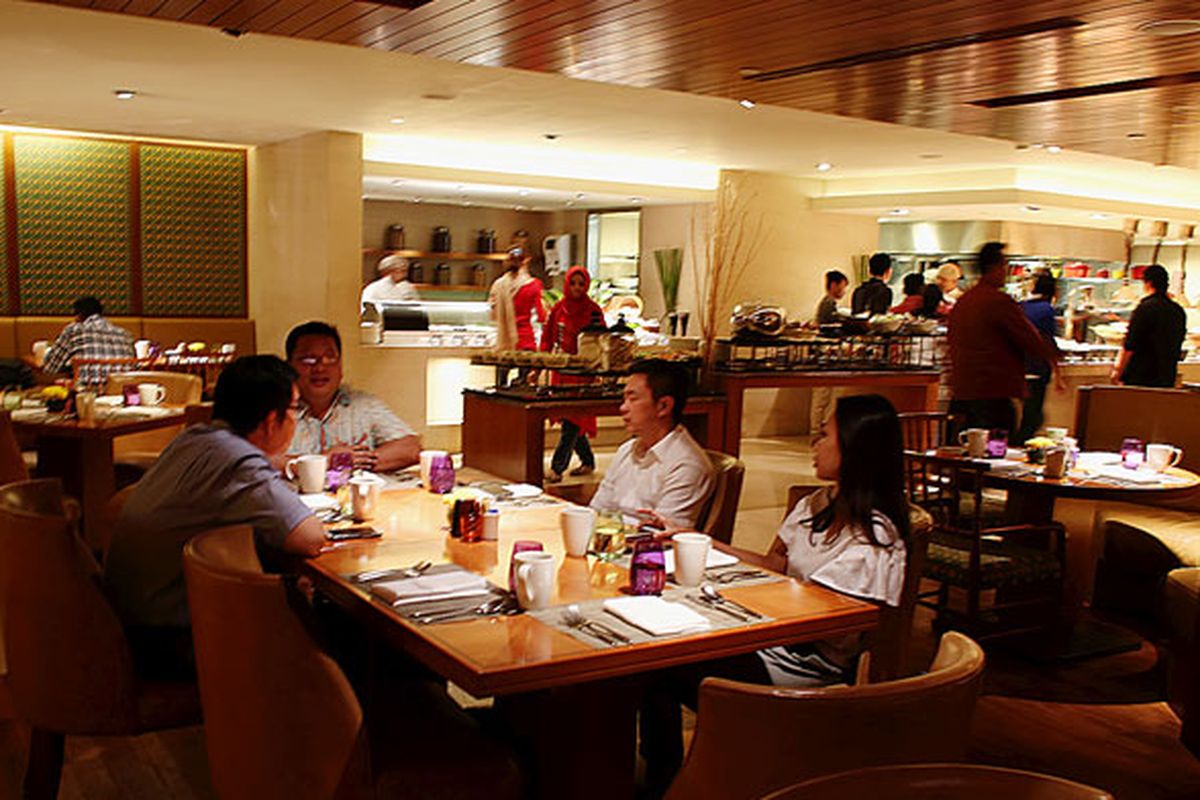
(451, 256)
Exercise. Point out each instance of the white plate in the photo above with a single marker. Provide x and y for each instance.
(110, 400)
(319, 502)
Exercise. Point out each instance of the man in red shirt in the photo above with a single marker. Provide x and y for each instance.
(989, 338)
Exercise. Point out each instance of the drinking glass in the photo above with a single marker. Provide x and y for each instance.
(1133, 452)
(608, 536)
(997, 444)
(519, 546)
(648, 567)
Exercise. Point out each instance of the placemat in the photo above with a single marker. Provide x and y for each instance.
(739, 574)
(465, 605)
(593, 611)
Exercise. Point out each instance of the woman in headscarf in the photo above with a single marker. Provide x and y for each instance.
(514, 299)
(570, 315)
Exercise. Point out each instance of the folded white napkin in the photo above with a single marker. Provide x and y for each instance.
(318, 502)
(656, 616)
(716, 558)
(1096, 458)
(142, 412)
(521, 490)
(425, 588)
(110, 400)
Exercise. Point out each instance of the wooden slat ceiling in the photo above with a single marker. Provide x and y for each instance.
(903, 61)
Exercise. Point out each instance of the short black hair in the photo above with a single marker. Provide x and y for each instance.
(1045, 286)
(250, 388)
(835, 276)
(914, 283)
(991, 255)
(665, 379)
(311, 328)
(879, 264)
(86, 306)
(1156, 276)
(931, 301)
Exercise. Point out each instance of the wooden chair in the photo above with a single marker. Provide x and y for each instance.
(886, 656)
(135, 453)
(718, 518)
(940, 782)
(753, 739)
(94, 372)
(182, 389)
(926, 430)
(12, 463)
(69, 667)
(1024, 564)
(280, 717)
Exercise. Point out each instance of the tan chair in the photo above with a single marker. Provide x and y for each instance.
(135, 453)
(926, 430)
(719, 516)
(69, 667)
(299, 733)
(182, 389)
(753, 739)
(940, 782)
(12, 463)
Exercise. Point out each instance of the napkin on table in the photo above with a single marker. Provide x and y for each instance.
(425, 588)
(656, 616)
(716, 558)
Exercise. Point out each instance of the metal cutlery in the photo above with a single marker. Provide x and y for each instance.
(415, 571)
(734, 575)
(575, 619)
(710, 595)
(495, 605)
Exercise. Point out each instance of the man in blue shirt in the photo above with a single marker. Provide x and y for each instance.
(1039, 308)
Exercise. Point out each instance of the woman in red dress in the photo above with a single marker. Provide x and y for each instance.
(567, 318)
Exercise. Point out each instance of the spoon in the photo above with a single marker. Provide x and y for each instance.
(711, 595)
(415, 571)
(574, 618)
(483, 609)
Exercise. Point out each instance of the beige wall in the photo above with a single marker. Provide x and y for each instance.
(666, 227)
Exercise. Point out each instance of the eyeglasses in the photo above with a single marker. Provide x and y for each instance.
(312, 361)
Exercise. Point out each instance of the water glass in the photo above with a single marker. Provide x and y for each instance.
(648, 567)
(608, 537)
(1133, 452)
(997, 444)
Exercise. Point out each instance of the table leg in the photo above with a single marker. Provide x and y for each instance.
(580, 740)
(85, 467)
(499, 438)
(734, 394)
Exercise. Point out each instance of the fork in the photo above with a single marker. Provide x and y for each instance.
(575, 619)
(415, 571)
(485, 608)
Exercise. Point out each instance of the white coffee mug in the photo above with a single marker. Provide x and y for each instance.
(975, 440)
(1161, 457)
(364, 496)
(309, 471)
(40, 347)
(577, 523)
(535, 578)
(152, 394)
(691, 557)
(426, 459)
(141, 348)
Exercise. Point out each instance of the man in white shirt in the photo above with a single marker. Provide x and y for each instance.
(662, 468)
(392, 283)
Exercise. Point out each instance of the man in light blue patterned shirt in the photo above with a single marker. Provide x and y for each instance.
(90, 336)
(335, 418)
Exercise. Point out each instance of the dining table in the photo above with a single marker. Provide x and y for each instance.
(575, 697)
(80, 454)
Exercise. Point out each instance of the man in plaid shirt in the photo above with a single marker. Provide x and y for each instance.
(90, 336)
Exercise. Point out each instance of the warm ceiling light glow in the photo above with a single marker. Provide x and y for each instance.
(398, 182)
(124, 94)
(1033, 209)
(824, 166)
(900, 212)
(1135, 135)
(1053, 149)
(397, 120)
(1170, 27)
(523, 192)
(747, 103)
(1099, 215)
(635, 200)
(570, 203)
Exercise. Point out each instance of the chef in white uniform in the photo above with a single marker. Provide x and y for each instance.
(392, 283)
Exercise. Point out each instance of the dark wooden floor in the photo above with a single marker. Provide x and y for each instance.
(1098, 721)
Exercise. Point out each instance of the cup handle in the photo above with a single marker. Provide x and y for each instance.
(524, 584)
(288, 471)
(1176, 454)
(962, 438)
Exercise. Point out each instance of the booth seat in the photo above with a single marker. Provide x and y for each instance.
(17, 334)
(1182, 597)
(1142, 542)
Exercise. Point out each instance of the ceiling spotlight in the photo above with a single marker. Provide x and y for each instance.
(579, 195)
(570, 203)
(1033, 209)
(467, 204)
(1099, 215)
(749, 72)
(1135, 135)
(397, 120)
(1053, 149)
(398, 182)
(899, 212)
(747, 103)
(124, 94)
(824, 166)
(931, 155)
(1037, 145)
(418, 199)
(550, 137)
(437, 96)
(523, 192)
(1022, 147)
(235, 33)
(1170, 27)
(635, 200)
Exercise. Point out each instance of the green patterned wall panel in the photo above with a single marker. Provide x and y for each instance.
(72, 222)
(193, 231)
(3, 231)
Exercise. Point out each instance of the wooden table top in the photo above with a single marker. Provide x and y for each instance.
(61, 426)
(1080, 484)
(503, 655)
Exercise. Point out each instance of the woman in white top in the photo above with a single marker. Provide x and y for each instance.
(849, 537)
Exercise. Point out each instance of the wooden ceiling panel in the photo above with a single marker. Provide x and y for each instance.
(699, 46)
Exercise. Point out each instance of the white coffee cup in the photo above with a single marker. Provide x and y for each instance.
(1161, 457)
(691, 557)
(40, 347)
(577, 523)
(426, 460)
(152, 394)
(975, 440)
(141, 348)
(309, 471)
(364, 496)
(535, 578)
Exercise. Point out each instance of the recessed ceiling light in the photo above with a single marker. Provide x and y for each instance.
(1022, 147)
(523, 192)
(635, 200)
(418, 199)
(1170, 27)
(579, 195)
(467, 204)
(824, 166)
(570, 203)
(1053, 149)
(124, 94)
(749, 72)
(900, 212)
(747, 103)
(550, 137)
(398, 182)
(1135, 135)
(1099, 215)
(397, 120)
(235, 33)
(1033, 209)
(518, 208)
(437, 96)
(931, 155)
(1037, 145)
